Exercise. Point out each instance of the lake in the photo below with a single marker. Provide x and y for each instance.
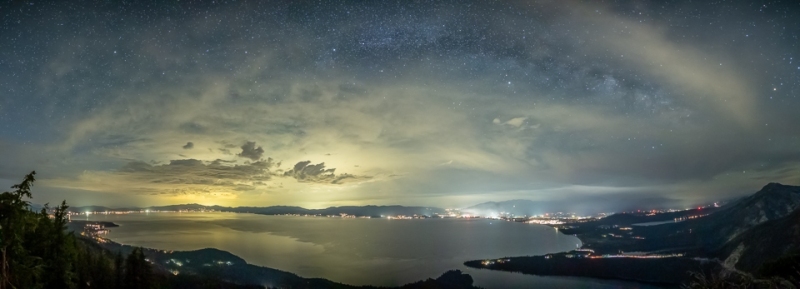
(357, 251)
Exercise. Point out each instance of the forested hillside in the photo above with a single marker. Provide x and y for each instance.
(37, 252)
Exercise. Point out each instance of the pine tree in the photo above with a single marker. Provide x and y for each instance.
(119, 270)
(61, 251)
(35, 250)
(138, 274)
(18, 269)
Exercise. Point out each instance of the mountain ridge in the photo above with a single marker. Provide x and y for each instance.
(366, 211)
(773, 201)
(739, 239)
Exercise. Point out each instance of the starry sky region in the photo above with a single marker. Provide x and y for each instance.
(593, 105)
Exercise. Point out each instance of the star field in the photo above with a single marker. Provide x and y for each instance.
(616, 103)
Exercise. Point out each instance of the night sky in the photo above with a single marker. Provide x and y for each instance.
(611, 105)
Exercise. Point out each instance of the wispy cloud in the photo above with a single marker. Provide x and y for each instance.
(443, 107)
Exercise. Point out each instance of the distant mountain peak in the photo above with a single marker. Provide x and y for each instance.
(771, 186)
(784, 191)
(773, 201)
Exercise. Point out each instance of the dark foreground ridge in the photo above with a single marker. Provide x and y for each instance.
(753, 242)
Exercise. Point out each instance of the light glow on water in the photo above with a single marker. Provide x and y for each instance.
(352, 251)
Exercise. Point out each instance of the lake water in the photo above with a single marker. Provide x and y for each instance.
(357, 251)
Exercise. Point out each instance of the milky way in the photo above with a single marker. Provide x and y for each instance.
(605, 106)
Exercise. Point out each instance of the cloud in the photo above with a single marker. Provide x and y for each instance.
(617, 99)
(348, 178)
(197, 172)
(177, 177)
(517, 121)
(304, 171)
(250, 151)
(192, 179)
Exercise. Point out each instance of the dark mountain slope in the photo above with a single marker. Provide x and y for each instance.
(773, 201)
(765, 242)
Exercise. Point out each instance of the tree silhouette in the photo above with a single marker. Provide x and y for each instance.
(18, 269)
(118, 270)
(38, 252)
(138, 274)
